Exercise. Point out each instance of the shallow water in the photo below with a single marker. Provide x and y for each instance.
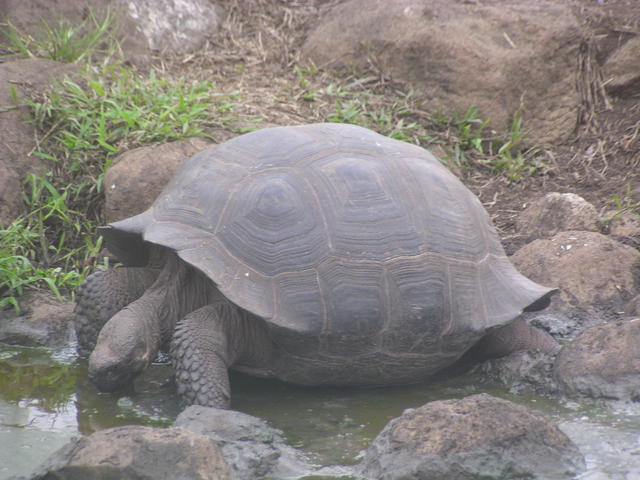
(45, 399)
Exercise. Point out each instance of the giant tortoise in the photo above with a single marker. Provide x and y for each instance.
(320, 254)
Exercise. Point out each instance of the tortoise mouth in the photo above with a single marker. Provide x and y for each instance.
(109, 374)
(110, 377)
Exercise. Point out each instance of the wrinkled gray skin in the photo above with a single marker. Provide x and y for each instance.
(208, 334)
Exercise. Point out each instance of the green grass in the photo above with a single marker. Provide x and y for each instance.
(83, 124)
(357, 104)
(115, 110)
(623, 203)
(64, 42)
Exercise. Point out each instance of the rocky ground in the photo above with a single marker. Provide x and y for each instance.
(568, 70)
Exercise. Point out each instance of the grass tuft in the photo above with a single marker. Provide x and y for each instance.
(64, 42)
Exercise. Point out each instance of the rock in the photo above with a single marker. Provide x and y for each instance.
(560, 325)
(593, 272)
(45, 321)
(140, 26)
(495, 56)
(175, 26)
(523, 371)
(554, 213)
(136, 177)
(137, 453)
(21, 77)
(626, 228)
(620, 71)
(476, 437)
(632, 308)
(602, 362)
(250, 446)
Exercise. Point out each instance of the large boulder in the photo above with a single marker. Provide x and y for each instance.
(554, 213)
(137, 453)
(620, 71)
(602, 362)
(594, 273)
(18, 79)
(494, 55)
(251, 447)
(136, 177)
(476, 437)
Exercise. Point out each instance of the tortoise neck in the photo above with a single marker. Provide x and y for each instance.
(179, 290)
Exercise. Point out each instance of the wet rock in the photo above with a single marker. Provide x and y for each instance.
(250, 446)
(524, 50)
(522, 372)
(21, 77)
(593, 272)
(136, 177)
(620, 71)
(44, 321)
(137, 453)
(554, 213)
(476, 437)
(559, 325)
(602, 362)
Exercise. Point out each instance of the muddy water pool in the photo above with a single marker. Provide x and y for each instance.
(45, 399)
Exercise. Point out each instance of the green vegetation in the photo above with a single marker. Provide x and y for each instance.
(357, 104)
(64, 42)
(623, 203)
(86, 124)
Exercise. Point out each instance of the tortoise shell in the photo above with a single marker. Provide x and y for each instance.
(350, 245)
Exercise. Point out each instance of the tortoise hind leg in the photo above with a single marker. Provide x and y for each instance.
(514, 337)
(101, 295)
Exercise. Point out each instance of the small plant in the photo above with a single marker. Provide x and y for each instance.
(355, 104)
(623, 204)
(511, 158)
(49, 247)
(64, 42)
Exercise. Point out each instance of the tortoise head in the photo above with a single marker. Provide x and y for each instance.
(123, 350)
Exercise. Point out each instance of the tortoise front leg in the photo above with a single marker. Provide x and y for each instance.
(209, 341)
(201, 357)
(102, 295)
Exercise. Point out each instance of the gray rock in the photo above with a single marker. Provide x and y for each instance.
(173, 25)
(137, 453)
(528, 371)
(45, 321)
(557, 212)
(602, 362)
(476, 437)
(251, 447)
